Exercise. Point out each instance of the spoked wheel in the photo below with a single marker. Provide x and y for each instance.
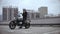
(27, 25)
(12, 25)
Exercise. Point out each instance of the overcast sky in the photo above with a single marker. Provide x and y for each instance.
(53, 5)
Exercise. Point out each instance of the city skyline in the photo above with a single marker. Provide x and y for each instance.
(53, 5)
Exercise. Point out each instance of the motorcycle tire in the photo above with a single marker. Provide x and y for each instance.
(27, 25)
(12, 25)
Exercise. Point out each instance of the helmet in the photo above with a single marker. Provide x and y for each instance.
(24, 9)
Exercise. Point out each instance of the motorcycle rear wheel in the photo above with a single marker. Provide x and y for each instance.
(27, 25)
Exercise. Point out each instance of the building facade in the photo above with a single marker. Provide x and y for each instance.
(33, 14)
(9, 13)
(43, 11)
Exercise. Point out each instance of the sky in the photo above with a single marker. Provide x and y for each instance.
(53, 5)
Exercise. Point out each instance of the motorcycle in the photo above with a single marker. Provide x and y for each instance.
(18, 22)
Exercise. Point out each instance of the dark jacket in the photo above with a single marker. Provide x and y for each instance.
(25, 15)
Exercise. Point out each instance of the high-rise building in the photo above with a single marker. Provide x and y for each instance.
(9, 13)
(43, 11)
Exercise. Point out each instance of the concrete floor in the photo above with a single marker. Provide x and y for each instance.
(31, 30)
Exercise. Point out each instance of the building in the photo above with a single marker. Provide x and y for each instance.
(9, 13)
(33, 14)
(59, 15)
(0, 17)
(43, 11)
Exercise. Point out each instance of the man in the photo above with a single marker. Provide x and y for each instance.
(24, 17)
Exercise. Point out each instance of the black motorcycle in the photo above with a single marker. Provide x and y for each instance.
(18, 22)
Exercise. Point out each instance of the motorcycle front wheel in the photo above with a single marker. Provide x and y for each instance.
(12, 25)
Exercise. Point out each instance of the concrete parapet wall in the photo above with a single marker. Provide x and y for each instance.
(41, 21)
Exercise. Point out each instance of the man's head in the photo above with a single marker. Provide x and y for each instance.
(24, 10)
